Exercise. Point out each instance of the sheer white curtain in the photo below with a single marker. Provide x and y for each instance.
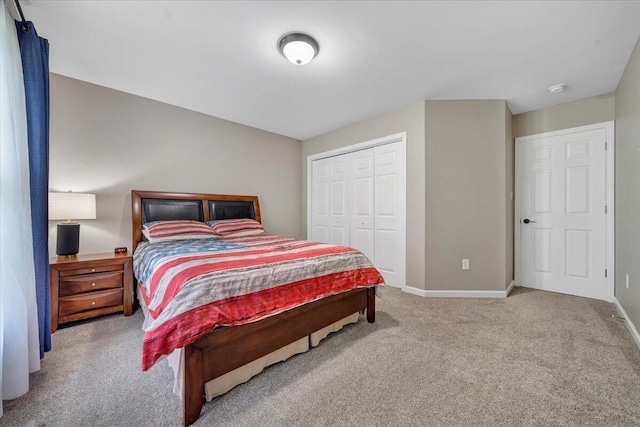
(19, 346)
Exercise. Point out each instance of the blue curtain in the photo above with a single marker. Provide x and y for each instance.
(35, 67)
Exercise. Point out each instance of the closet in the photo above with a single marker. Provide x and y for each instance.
(358, 198)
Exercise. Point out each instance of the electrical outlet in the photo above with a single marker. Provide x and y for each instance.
(626, 280)
(465, 264)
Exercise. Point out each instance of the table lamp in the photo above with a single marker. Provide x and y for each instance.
(70, 206)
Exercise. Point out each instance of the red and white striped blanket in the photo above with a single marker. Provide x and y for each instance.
(194, 286)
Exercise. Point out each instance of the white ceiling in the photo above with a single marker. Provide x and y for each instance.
(220, 58)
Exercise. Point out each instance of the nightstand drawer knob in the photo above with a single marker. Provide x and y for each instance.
(93, 303)
(93, 284)
(93, 270)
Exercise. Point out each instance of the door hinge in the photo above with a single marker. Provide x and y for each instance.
(605, 209)
(606, 145)
(605, 272)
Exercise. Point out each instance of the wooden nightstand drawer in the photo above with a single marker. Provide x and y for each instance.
(89, 270)
(89, 301)
(90, 282)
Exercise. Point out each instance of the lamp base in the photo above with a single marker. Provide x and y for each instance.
(68, 242)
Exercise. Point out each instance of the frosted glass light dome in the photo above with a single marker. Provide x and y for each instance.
(298, 48)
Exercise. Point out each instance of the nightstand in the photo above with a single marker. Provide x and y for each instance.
(85, 286)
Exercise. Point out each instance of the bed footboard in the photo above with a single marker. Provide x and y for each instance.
(226, 349)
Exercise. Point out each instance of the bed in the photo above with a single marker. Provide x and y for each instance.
(225, 349)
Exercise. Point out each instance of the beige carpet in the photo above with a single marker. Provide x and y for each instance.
(535, 358)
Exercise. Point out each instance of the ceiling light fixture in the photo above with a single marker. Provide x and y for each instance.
(556, 88)
(298, 48)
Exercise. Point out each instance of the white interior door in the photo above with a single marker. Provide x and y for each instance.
(562, 212)
(389, 211)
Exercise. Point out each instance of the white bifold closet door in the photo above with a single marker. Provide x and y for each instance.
(389, 209)
(361, 228)
(330, 222)
(358, 200)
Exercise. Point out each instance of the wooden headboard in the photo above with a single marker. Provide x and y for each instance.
(149, 206)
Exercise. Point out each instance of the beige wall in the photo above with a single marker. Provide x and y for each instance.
(459, 180)
(596, 109)
(467, 189)
(627, 152)
(109, 143)
(408, 119)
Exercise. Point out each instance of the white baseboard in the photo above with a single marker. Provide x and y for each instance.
(510, 287)
(414, 291)
(627, 321)
(456, 294)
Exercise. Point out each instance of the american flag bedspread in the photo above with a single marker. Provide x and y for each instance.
(194, 286)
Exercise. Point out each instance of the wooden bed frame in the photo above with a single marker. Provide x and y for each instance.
(228, 348)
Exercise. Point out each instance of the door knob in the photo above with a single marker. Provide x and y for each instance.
(527, 221)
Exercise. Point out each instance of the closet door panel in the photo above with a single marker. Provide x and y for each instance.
(339, 200)
(321, 201)
(362, 235)
(389, 208)
(385, 257)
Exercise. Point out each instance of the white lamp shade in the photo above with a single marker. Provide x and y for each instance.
(67, 206)
(299, 52)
